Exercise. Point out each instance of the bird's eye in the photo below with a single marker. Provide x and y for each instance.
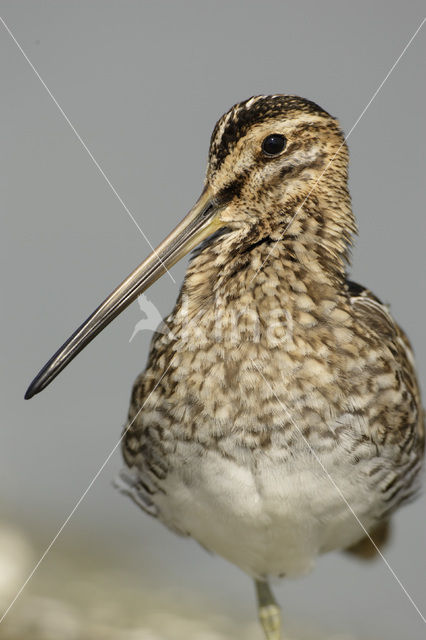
(273, 144)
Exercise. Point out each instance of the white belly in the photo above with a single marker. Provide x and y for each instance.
(265, 517)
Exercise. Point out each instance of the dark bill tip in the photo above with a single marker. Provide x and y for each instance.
(38, 384)
(31, 391)
(201, 222)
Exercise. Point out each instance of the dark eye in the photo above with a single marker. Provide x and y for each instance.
(273, 144)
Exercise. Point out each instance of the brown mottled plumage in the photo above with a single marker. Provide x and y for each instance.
(272, 292)
(280, 416)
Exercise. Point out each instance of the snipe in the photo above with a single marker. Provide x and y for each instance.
(280, 417)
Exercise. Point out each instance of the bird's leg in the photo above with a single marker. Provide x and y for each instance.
(269, 611)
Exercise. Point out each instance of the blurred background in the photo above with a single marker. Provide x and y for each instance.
(144, 84)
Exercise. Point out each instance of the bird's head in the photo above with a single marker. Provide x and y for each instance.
(272, 157)
(277, 166)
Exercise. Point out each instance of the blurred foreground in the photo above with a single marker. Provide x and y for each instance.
(81, 600)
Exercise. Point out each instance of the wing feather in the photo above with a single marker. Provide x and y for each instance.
(376, 315)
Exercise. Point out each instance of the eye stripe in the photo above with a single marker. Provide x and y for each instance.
(231, 190)
(241, 117)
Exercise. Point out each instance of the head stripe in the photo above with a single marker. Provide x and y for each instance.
(241, 117)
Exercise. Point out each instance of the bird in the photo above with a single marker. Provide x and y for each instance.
(280, 416)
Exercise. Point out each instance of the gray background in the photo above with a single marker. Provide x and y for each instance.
(144, 83)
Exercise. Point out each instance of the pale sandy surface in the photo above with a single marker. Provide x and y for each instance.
(81, 600)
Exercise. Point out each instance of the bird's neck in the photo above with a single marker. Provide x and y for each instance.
(310, 255)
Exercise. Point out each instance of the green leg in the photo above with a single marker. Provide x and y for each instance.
(269, 611)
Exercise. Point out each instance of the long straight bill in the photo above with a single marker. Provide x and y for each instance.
(201, 222)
